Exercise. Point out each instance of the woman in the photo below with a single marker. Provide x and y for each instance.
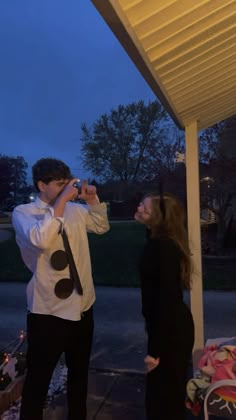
(165, 270)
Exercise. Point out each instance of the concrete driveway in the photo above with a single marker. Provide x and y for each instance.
(116, 380)
(119, 341)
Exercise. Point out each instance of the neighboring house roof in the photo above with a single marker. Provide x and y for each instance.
(185, 50)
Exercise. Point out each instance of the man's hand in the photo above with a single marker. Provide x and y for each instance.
(151, 363)
(88, 193)
(69, 192)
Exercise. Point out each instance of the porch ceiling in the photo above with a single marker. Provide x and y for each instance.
(185, 50)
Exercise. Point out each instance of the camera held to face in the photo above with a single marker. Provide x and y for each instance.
(78, 186)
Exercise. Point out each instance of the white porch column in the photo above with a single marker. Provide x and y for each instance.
(193, 204)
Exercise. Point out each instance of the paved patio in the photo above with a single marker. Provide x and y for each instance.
(116, 380)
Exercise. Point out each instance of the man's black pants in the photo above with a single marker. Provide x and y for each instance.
(48, 337)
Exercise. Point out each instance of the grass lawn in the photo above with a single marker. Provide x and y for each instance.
(114, 260)
(115, 255)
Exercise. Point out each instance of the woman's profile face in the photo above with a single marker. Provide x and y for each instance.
(144, 211)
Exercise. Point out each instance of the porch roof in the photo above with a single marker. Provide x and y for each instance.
(185, 50)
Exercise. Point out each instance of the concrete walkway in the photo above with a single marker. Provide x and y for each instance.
(116, 379)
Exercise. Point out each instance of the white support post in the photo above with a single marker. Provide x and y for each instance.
(194, 229)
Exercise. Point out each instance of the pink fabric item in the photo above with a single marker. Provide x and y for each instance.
(217, 362)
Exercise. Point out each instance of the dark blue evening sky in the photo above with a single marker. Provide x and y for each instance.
(60, 66)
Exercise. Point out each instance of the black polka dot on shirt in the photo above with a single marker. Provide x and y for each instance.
(64, 288)
(59, 260)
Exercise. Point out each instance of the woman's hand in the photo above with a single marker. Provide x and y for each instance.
(151, 363)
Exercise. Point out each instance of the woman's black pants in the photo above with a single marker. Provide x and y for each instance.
(166, 390)
(166, 385)
(48, 337)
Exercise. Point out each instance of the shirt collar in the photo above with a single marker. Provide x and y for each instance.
(41, 204)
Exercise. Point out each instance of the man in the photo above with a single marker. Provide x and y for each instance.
(60, 301)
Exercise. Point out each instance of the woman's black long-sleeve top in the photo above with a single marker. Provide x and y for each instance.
(165, 313)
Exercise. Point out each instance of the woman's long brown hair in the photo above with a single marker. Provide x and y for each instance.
(169, 220)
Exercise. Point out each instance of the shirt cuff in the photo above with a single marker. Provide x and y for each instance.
(94, 205)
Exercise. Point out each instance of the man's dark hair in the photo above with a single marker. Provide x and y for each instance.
(49, 169)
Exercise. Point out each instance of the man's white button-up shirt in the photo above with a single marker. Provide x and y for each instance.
(37, 234)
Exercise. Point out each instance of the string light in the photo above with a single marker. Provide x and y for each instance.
(22, 335)
(8, 356)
